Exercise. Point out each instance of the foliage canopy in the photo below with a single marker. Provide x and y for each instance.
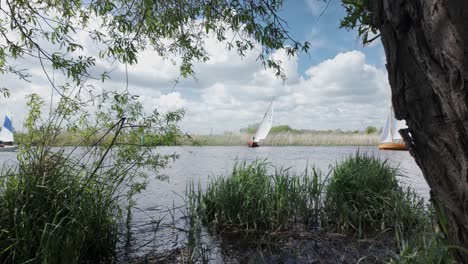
(47, 31)
(370, 130)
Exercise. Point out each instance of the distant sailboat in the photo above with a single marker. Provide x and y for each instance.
(264, 127)
(390, 138)
(6, 136)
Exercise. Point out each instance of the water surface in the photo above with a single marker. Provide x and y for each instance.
(165, 199)
(198, 164)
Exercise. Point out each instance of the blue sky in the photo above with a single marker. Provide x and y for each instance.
(324, 32)
(339, 84)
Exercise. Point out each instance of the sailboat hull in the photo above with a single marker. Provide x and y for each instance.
(392, 146)
(252, 144)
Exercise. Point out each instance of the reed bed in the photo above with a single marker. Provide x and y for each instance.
(51, 212)
(65, 138)
(359, 198)
(291, 139)
(251, 200)
(68, 138)
(364, 198)
(89, 138)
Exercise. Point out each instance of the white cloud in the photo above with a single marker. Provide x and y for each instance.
(316, 6)
(346, 75)
(342, 92)
(231, 92)
(164, 102)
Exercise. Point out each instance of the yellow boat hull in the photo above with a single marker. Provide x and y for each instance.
(393, 146)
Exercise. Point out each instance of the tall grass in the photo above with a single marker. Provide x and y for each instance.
(429, 245)
(64, 138)
(290, 139)
(363, 197)
(279, 138)
(425, 247)
(197, 247)
(252, 200)
(49, 215)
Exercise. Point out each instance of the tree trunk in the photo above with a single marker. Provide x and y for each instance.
(426, 46)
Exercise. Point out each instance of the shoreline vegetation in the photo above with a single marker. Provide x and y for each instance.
(316, 138)
(283, 138)
(357, 213)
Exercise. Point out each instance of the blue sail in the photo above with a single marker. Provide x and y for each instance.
(6, 134)
(7, 124)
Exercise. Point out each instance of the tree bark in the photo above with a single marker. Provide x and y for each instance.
(426, 46)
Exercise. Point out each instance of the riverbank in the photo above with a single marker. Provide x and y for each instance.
(318, 138)
(290, 139)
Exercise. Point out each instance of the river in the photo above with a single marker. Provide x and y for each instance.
(162, 199)
(198, 164)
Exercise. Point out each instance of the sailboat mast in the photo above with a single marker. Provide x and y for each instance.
(264, 116)
(391, 119)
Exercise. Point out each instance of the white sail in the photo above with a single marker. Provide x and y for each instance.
(390, 130)
(386, 135)
(398, 124)
(6, 134)
(266, 125)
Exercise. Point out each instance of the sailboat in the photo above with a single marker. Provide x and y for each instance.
(264, 127)
(390, 138)
(6, 136)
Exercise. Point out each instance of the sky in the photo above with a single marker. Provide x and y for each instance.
(339, 84)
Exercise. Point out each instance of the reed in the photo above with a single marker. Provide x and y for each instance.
(290, 139)
(429, 245)
(64, 138)
(280, 138)
(425, 247)
(197, 246)
(360, 199)
(364, 198)
(253, 201)
(49, 215)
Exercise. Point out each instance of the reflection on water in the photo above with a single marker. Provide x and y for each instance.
(165, 199)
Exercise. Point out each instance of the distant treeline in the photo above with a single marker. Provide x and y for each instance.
(252, 128)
